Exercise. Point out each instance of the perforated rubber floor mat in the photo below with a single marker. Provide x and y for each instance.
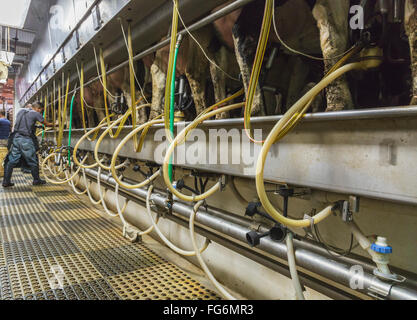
(56, 247)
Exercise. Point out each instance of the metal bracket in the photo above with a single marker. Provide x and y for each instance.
(77, 40)
(223, 182)
(378, 292)
(153, 206)
(64, 58)
(347, 215)
(389, 277)
(349, 207)
(95, 12)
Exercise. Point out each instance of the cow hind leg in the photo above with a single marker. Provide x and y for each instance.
(332, 21)
(245, 49)
(158, 90)
(142, 116)
(197, 83)
(196, 72)
(90, 118)
(219, 79)
(411, 29)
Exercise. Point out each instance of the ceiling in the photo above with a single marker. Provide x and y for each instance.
(22, 39)
(23, 35)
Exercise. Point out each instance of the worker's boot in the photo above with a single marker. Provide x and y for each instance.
(7, 177)
(36, 179)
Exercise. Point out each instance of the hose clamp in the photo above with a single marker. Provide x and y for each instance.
(379, 291)
(307, 217)
(223, 182)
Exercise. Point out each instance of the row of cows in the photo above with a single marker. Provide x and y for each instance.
(319, 28)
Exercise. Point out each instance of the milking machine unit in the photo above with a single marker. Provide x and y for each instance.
(120, 105)
(373, 44)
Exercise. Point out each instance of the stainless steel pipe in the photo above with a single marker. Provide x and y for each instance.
(340, 272)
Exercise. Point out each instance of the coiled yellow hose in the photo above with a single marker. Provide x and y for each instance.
(73, 185)
(119, 148)
(179, 139)
(61, 181)
(221, 103)
(291, 117)
(85, 136)
(120, 121)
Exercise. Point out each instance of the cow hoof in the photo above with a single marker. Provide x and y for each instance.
(335, 108)
(223, 115)
(413, 101)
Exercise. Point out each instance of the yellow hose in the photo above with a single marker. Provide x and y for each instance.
(144, 133)
(298, 115)
(281, 128)
(58, 142)
(82, 104)
(181, 137)
(85, 136)
(119, 148)
(133, 109)
(122, 121)
(174, 29)
(260, 53)
(61, 181)
(104, 82)
(137, 144)
(62, 117)
(53, 110)
(219, 104)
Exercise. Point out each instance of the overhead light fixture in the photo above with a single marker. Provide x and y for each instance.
(13, 13)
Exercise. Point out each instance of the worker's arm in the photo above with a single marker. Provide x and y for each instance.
(47, 124)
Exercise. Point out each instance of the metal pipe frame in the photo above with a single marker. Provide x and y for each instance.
(273, 264)
(311, 156)
(371, 113)
(323, 266)
(203, 22)
(309, 281)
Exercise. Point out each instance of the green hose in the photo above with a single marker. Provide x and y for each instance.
(172, 102)
(70, 129)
